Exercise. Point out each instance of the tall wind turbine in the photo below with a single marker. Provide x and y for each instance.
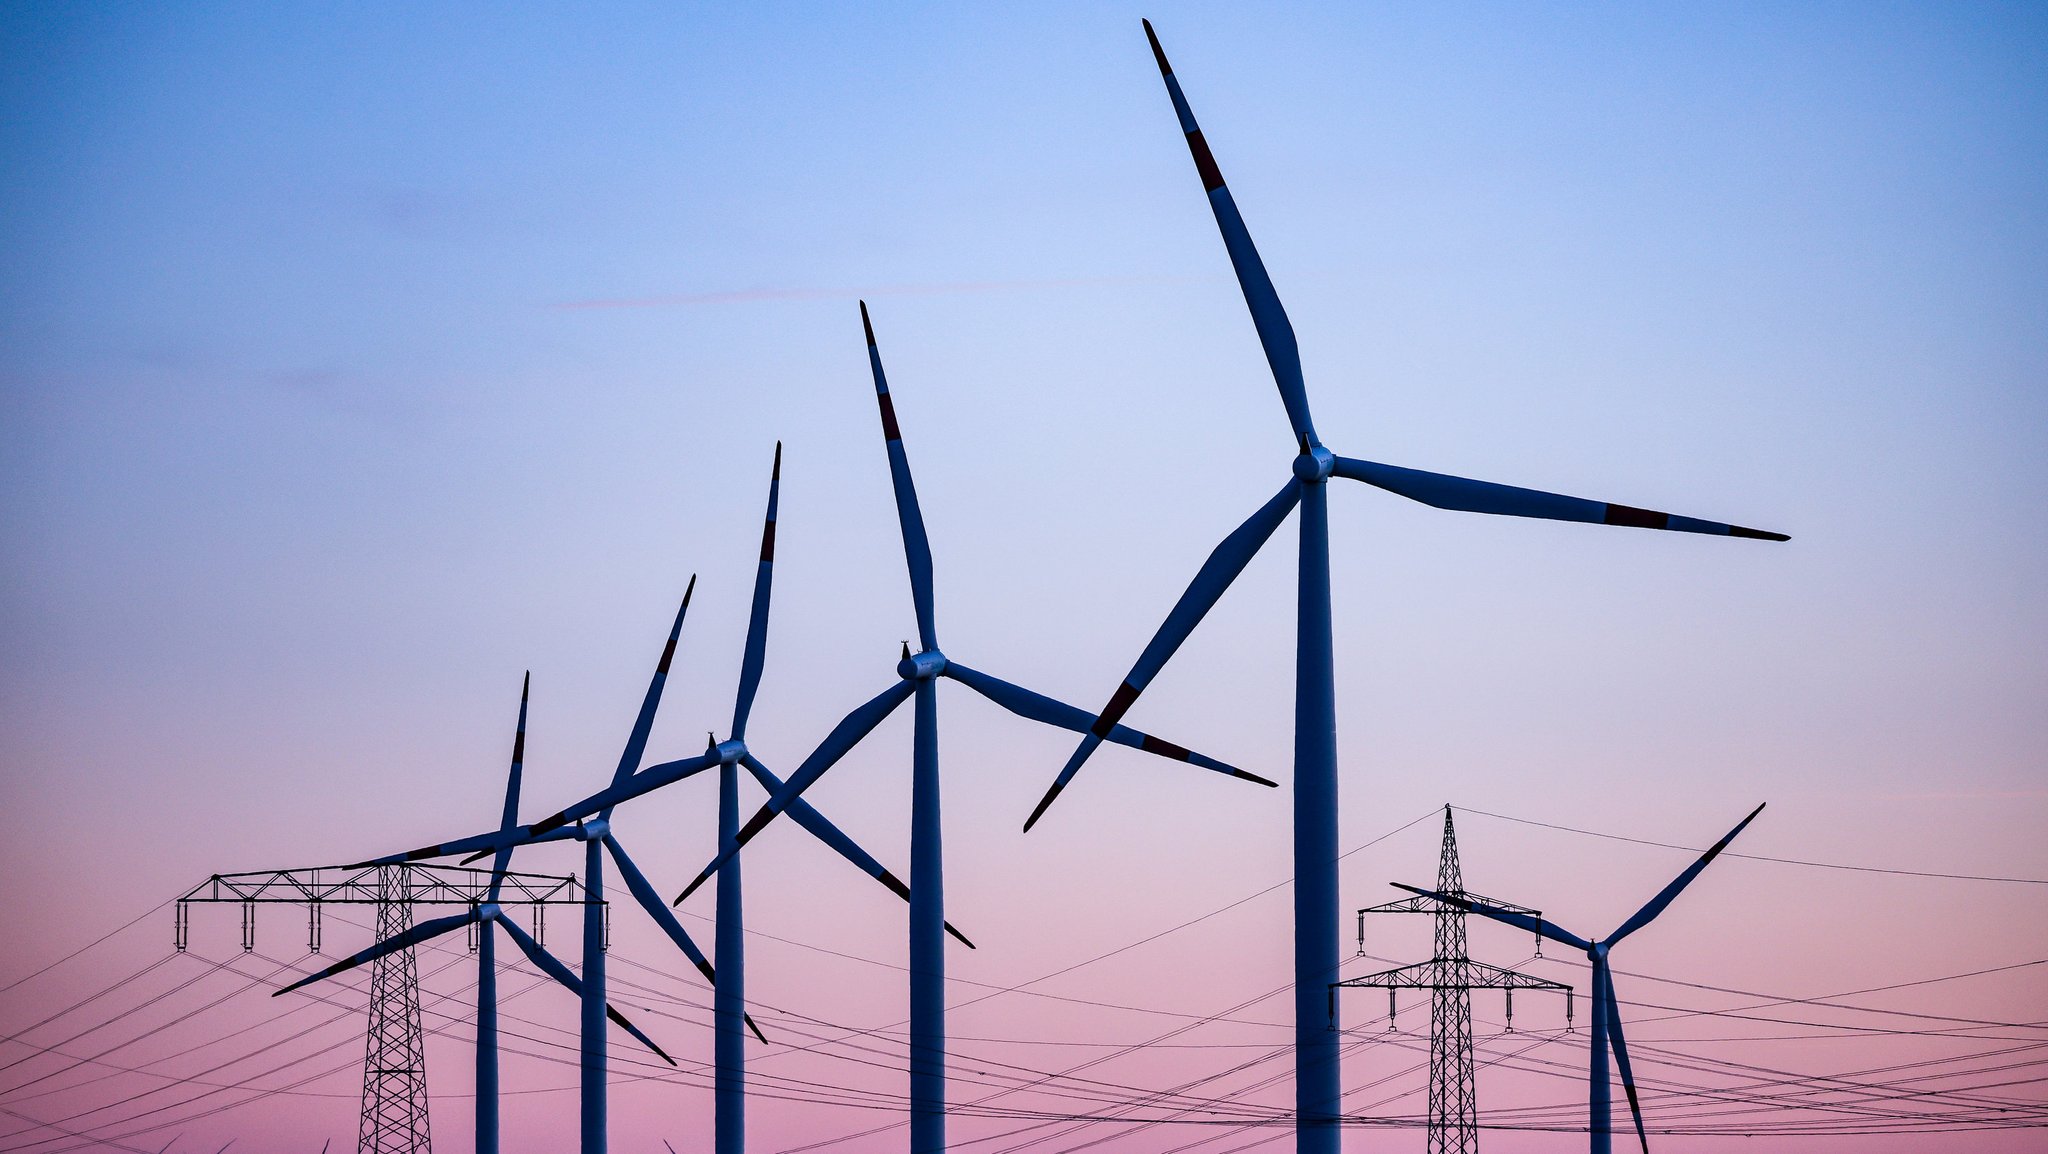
(594, 833)
(487, 916)
(1317, 1104)
(589, 820)
(1606, 1010)
(729, 1005)
(917, 676)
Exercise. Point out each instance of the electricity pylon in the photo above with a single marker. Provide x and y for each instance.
(394, 1119)
(394, 1114)
(1450, 977)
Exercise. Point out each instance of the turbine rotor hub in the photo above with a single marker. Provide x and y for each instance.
(921, 666)
(1315, 464)
(488, 910)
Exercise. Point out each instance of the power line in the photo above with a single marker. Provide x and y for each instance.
(1758, 857)
(129, 924)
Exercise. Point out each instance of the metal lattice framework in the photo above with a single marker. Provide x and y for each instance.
(394, 1117)
(1450, 976)
(394, 1113)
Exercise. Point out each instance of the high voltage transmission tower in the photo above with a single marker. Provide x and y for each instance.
(1450, 976)
(394, 1115)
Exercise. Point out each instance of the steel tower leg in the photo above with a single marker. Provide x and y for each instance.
(1600, 1093)
(487, 1038)
(729, 996)
(1453, 1086)
(395, 1063)
(927, 936)
(594, 1073)
(1317, 1091)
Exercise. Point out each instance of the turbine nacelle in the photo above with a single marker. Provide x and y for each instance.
(593, 829)
(921, 666)
(1314, 463)
(729, 752)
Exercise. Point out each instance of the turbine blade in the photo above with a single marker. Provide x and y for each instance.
(519, 837)
(1620, 1048)
(917, 548)
(821, 827)
(1224, 564)
(1038, 707)
(538, 954)
(612, 1012)
(1444, 491)
(509, 819)
(756, 651)
(553, 967)
(636, 742)
(1519, 921)
(646, 781)
(1664, 897)
(391, 945)
(486, 842)
(844, 736)
(1276, 334)
(644, 893)
(1081, 753)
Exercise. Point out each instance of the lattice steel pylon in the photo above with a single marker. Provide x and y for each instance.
(394, 1117)
(1450, 976)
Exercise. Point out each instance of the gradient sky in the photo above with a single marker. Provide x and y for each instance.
(354, 361)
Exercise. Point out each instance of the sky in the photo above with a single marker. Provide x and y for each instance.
(356, 361)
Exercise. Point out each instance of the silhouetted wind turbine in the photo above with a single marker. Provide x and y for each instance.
(1607, 1032)
(595, 833)
(729, 756)
(728, 979)
(917, 675)
(487, 916)
(1316, 957)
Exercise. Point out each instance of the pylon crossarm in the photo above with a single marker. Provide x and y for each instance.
(1423, 904)
(432, 885)
(1413, 905)
(1420, 976)
(1479, 975)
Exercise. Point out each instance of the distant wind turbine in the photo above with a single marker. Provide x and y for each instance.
(594, 1066)
(729, 1109)
(917, 676)
(1316, 957)
(728, 978)
(1607, 1032)
(487, 916)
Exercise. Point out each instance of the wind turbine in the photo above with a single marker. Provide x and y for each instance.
(731, 754)
(917, 675)
(1317, 1104)
(577, 821)
(487, 915)
(1606, 1010)
(595, 833)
